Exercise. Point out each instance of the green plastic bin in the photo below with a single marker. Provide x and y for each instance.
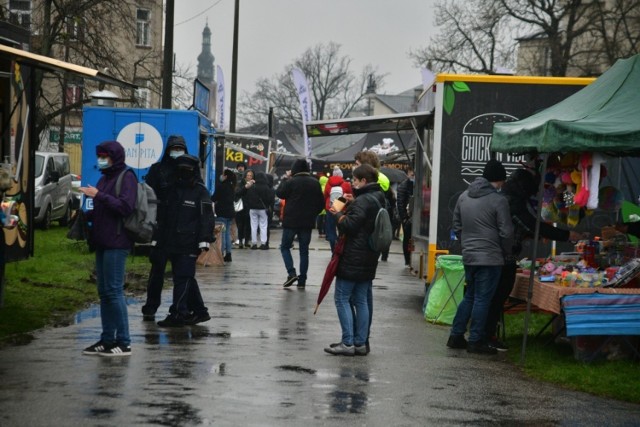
(446, 290)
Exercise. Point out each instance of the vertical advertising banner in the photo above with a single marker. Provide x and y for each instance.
(300, 82)
(220, 100)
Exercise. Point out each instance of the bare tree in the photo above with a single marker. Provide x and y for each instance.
(618, 29)
(82, 32)
(563, 25)
(335, 90)
(182, 88)
(553, 37)
(475, 37)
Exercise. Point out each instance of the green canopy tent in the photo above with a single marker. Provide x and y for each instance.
(602, 117)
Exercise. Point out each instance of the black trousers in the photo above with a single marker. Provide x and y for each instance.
(406, 230)
(244, 226)
(159, 259)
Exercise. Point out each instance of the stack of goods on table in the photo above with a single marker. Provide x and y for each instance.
(610, 262)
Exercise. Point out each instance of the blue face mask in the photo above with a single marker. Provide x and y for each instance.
(103, 163)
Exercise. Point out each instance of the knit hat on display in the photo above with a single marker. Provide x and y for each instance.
(337, 172)
(494, 171)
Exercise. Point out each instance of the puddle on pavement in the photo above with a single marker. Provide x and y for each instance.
(176, 413)
(94, 311)
(294, 368)
(219, 369)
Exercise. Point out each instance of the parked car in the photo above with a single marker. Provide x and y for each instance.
(75, 185)
(53, 198)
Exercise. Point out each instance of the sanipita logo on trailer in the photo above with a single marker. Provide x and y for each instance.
(142, 144)
(476, 138)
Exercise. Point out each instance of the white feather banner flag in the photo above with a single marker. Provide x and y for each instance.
(220, 98)
(300, 81)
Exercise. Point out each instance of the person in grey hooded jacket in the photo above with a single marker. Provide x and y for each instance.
(482, 221)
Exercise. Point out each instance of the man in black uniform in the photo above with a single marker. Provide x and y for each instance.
(187, 231)
(161, 177)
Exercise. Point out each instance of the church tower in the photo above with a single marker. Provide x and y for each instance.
(206, 58)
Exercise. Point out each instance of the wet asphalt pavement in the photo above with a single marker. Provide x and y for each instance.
(260, 362)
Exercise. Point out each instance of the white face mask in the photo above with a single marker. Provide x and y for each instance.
(175, 153)
(103, 163)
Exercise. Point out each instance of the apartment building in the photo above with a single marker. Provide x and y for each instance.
(123, 38)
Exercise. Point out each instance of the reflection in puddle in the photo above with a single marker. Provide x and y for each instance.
(94, 311)
(344, 401)
(350, 396)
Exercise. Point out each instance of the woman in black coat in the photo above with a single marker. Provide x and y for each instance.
(242, 217)
(223, 199)
(358, 262)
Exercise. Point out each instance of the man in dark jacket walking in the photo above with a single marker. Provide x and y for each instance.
(304, 201)
(223, 204)
(161, 177)
(482, 221)
(405, 195)
(188, 230)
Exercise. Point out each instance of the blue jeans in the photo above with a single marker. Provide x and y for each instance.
(482, 282)
(304, 238)
(350, 295)
(226, 234)
(369, 304)
(110, 265)
(330, 230)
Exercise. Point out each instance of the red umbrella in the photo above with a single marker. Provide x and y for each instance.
(330, 272)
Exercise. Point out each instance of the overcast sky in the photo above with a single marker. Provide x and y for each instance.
(272, 33)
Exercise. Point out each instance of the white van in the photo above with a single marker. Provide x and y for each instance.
(54, 200)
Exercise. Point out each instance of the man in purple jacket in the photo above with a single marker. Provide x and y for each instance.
(112, 245)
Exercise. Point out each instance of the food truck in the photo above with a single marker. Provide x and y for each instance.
(465, 109)
(144, 133)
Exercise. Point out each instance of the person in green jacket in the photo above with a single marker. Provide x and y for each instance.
(320, 221)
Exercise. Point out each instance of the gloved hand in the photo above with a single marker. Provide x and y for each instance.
(155, 254)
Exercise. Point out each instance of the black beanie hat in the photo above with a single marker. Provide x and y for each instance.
(176, 141)
(299, 165)
(526, 180)
(494, 171)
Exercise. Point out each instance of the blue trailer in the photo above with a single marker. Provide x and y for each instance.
(143, 133)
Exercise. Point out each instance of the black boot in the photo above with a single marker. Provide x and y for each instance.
(227, 257)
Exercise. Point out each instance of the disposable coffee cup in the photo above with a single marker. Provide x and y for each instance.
(338, 204)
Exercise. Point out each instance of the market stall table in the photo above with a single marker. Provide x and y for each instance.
(547, 296)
